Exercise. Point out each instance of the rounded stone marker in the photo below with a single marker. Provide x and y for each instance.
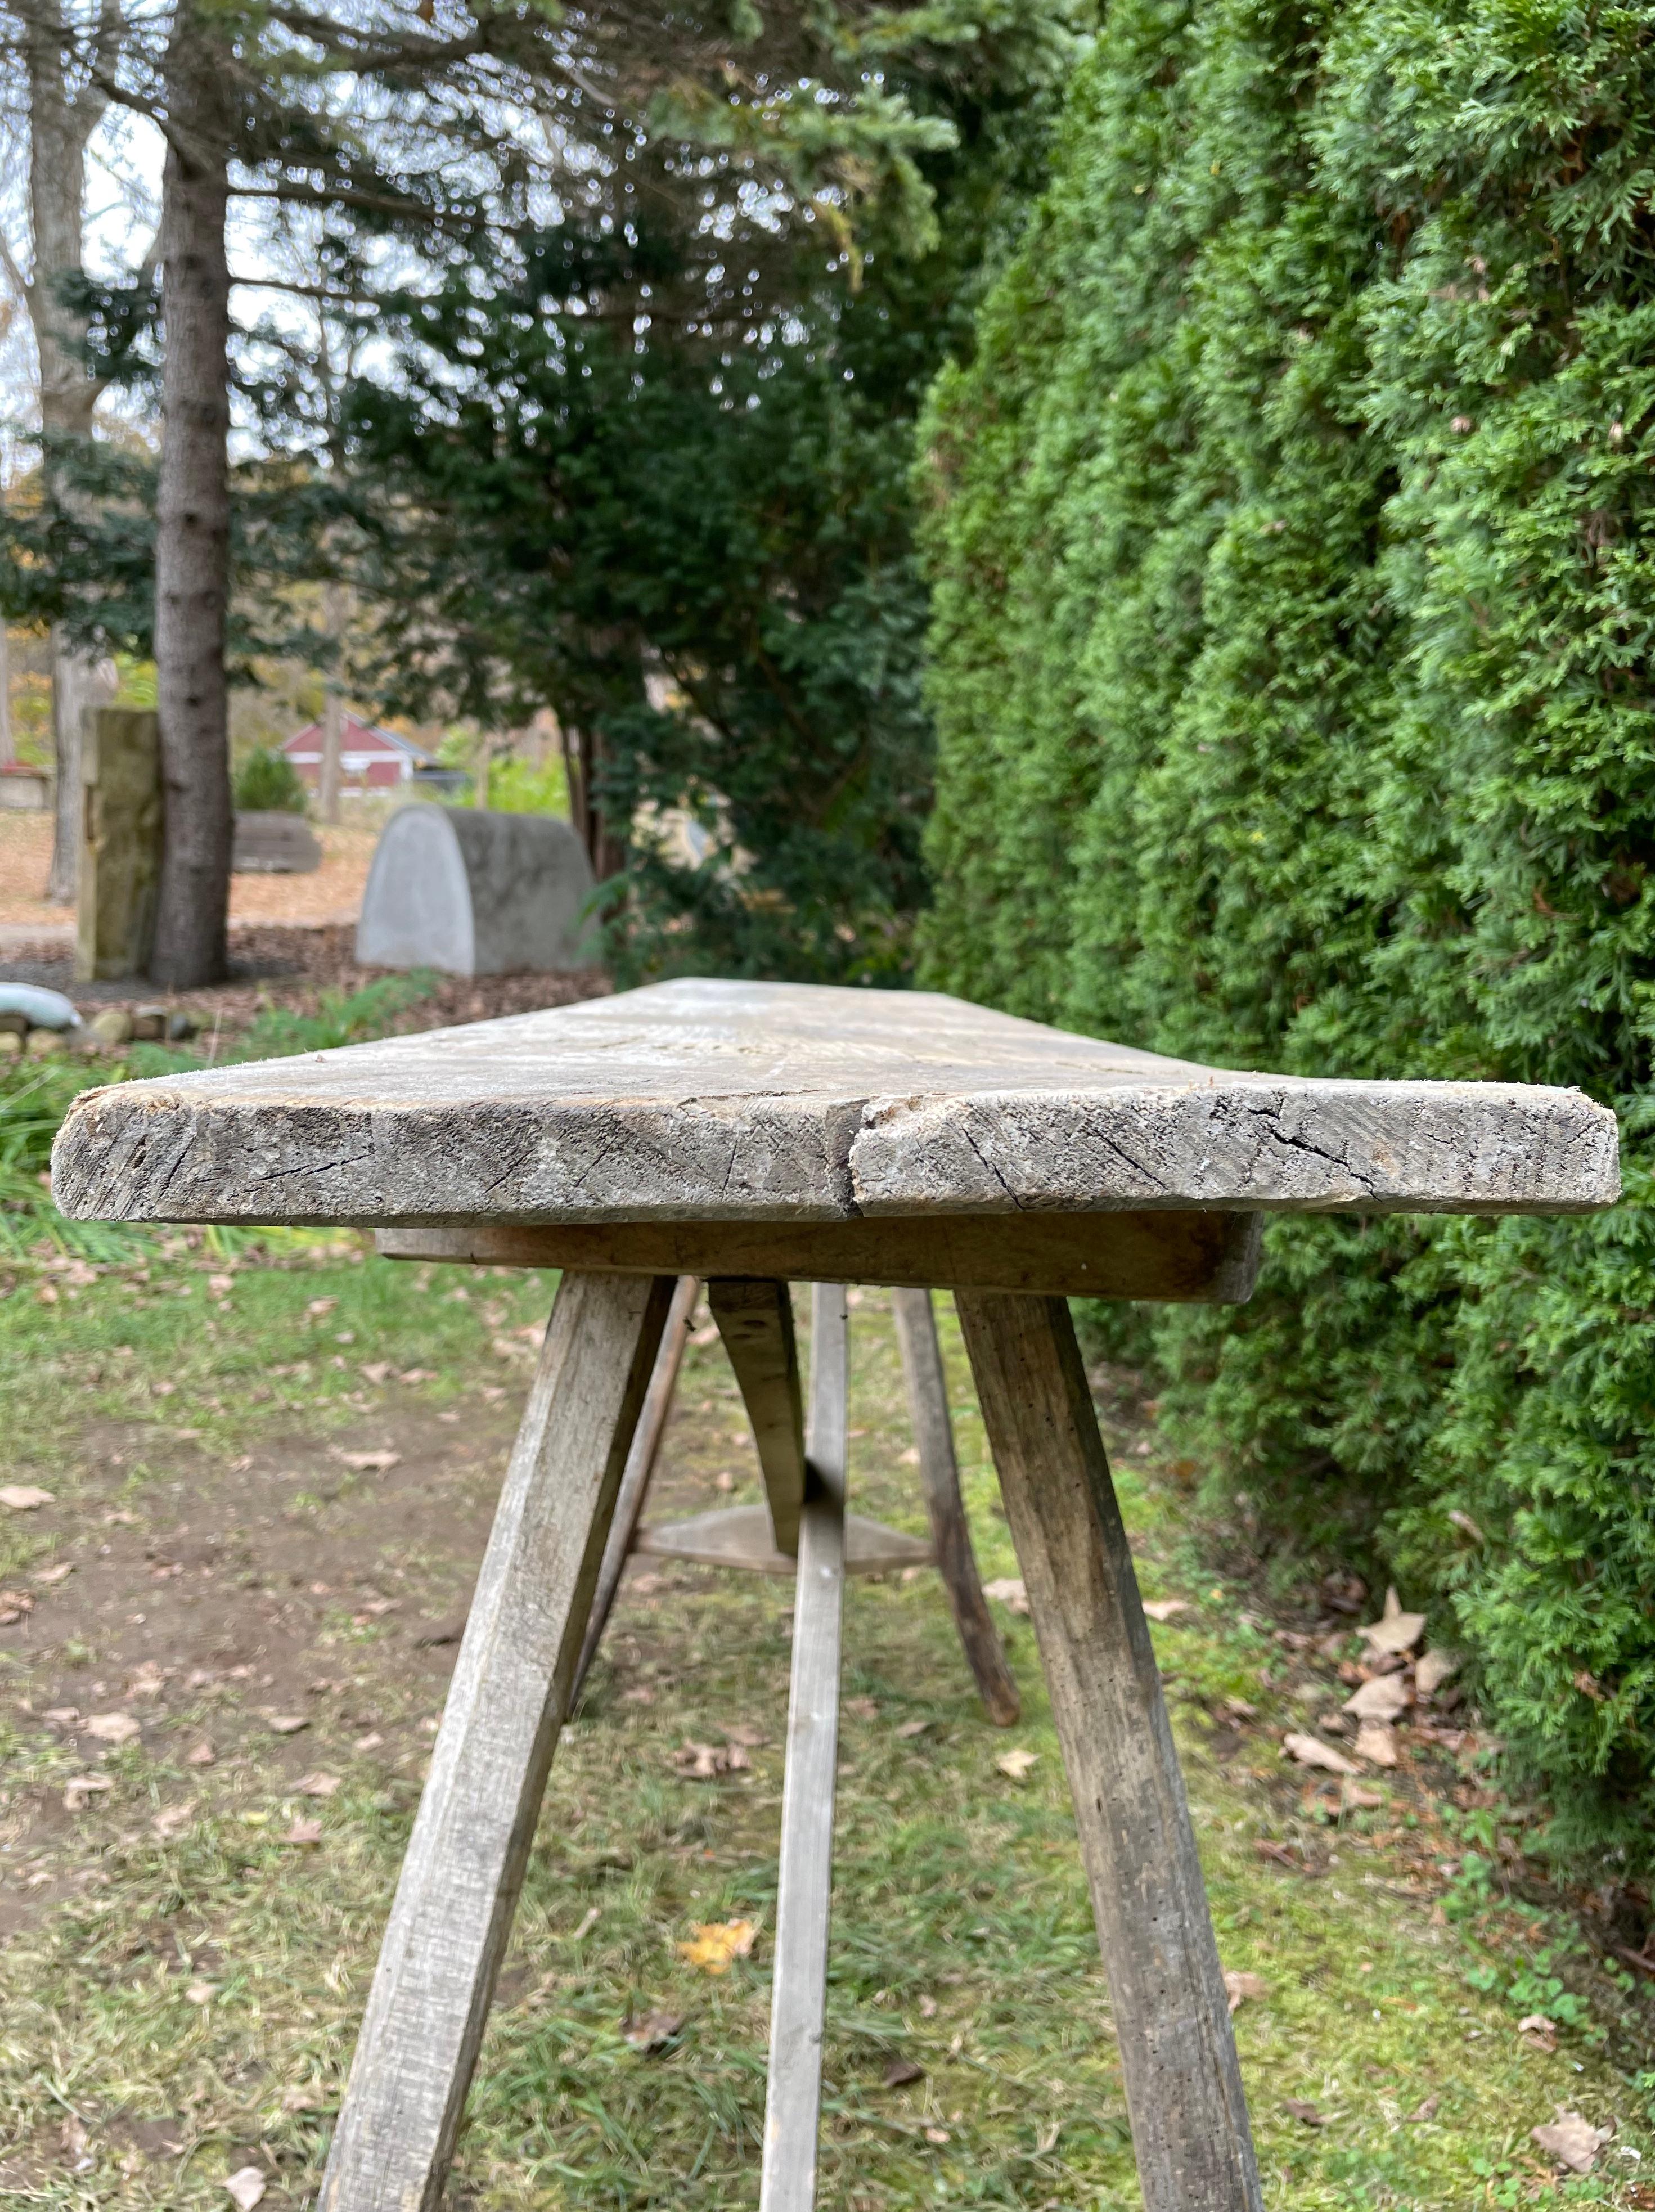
(477, 894)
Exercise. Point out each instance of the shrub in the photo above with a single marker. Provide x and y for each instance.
(268, 783)
(1290, 536)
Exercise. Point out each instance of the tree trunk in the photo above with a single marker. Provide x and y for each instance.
(582, 763)
(192, 513)
(59, 126)
(332, 708)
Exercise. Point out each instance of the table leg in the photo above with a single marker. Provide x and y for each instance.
(639, 1468)
(928, 1404)
(755, 1319)
(460, 1880)
(805, 1876)
(1183, 2084)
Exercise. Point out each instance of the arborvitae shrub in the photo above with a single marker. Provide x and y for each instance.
(1290, 533)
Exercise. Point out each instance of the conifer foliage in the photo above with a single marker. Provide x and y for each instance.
(1290, 533)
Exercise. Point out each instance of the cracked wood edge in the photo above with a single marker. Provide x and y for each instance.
(755, 1321)
(1188, 2115)
(458, 1886)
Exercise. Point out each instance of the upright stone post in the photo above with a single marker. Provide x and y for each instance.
(120, 843)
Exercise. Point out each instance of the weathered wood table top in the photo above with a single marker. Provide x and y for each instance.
(795, 1102)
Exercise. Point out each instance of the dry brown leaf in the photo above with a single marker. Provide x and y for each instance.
(287, 1724)
(304, 1833)
(1166, 1608)
(1353, 1798)
(1394, 1629)
(908, 1729)
(936, 2134)
(1572, 2140)
(14, 1606)
(110, 1728)
(375, 1371)
(1245, 1988)
(865, 1709)
(1432, 1669)
(317, 1784)
(146, 1679)
(1376, 1742)
(1311, 1751)
(1016, 1763)
(246, 2188)
(1381, 1700)
(81, 1788)
(1427, 2108)
(369, 1462)
(60, 1573)
(1009, 1592)
(716, 1944)
(1310, 2116)
(1538, 2032)
(899, 2072)
(706, 1762)
(652, 2030)
(745, 1732)
(23, 1497)
(201, 1993)
(203, 1755)
(167, 1822)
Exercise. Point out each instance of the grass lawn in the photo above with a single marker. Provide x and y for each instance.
(271, 1472)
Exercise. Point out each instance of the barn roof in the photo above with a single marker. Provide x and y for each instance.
(358, 736)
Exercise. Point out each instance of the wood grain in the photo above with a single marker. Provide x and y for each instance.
(1189, 2116)
(951, 1534)
(755, 1319)
(739, 1536)
(460, 1880)
(1180, 1258)
(797, 1102)
(636, 1477)
(804, 1873)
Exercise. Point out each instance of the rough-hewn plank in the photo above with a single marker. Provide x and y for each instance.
(460, 1880)
(799, 1103)
(804, 1869)
(1177, 2054)
(1182, 1258)
(755, 1319)
(636, 1477)
(951, 1534)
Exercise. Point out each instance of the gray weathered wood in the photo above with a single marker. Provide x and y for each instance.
(796, 1102)
(755, 1319)
(804, 1873)
(1179, 1257)
(1177, 2054)
(639, 1469)
(740, 1536)
(951, 1534)
(460, 1880)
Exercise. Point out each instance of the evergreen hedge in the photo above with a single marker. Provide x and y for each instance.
(1290, 534)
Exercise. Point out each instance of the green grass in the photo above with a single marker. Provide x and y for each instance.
(177, 2003)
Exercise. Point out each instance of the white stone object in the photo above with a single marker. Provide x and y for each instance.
(797, 1102)
(40, 1008)
(477, 894)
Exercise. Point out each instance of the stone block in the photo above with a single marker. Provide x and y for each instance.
(474, 893)
(120, 843)
(273, 844)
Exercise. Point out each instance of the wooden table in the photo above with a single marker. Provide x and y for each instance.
(756, 1135)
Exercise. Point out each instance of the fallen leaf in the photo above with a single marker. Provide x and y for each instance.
(1539, 2032)
(1394, 1629)
(1376, 1742)
(1311, 1751)
(298, 2098)
(377, 1372)
(1009, 1591)
(304, 1832)
(58, 1574)
(14, 1606)
(1427, 2108)
(1381, 1700)
(81, 1788)
(706, 1762)
(110, 1728)
(74, 2139)
(1465, 1525)
(318, 1307)
(1310, 2115)
(146, 1680)
(1280, 1855)
(287, 1723)
(246, 2188)
(1241, 1988)
(371, 1741)
(910, 1729)
(1016, 1763)
(1353, 1798)
(652, 2030)
(1572, 2140)
(928, 2007)
(203, 1755)
(317, 1784)
(23, 1497)
(1164, 1609)
(717, 1943)
(864, 1707)
(369, 1462)
(1432, 1669)
(899, 2072)
(745, 1732)
(936, 2134)
(170, 1819)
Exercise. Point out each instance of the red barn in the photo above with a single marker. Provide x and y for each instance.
(371, 759)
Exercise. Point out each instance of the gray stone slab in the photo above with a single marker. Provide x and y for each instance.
(268, 843)
(745, 1102)
(474, 893)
